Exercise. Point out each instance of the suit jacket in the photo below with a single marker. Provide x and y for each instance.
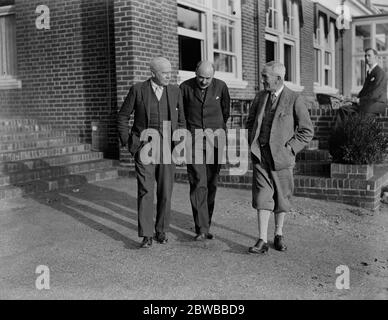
(213, 113)
(373, 96)
(291, 125)
(137, 101)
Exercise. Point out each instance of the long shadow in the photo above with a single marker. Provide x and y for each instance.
(122, 204)
(65, 205)
(23, 177)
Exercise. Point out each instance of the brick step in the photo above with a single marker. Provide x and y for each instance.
(38, 143)
(313, 168)
(26, 128)
(34, 164)
(15, 137)
(43, 153)
(4, 122)
(314, 155)
(47, 185)
(53, 172)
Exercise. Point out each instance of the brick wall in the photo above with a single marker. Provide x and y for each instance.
(249, 20)
(261, 30)
(307, 49)
(65, 74)
(143, 30)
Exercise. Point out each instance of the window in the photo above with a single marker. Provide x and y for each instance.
(283, 38)
(211, 30)
(8, 64)
(191, 37)
(324, 58)
(368, 34)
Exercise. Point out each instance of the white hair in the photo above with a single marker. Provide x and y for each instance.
(276, 68)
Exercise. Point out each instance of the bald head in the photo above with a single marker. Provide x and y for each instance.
(205, 74)
(161, 71)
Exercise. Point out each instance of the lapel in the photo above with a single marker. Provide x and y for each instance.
(196, 90)
(146, 89)
(371, 75)
(282, 103)
(197, 93)
(210, 91)
(260, 113)
(171, 103)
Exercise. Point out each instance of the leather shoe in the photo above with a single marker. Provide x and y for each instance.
(260, 247)
(279, 244)
(161, 238)
(201, 237)
(147, 242)
(209, 236)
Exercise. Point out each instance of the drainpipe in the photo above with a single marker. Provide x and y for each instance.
(109, 58)
(258, 45)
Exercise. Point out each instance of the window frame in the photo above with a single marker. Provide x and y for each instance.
(289, 39)
(325, 45)
(10, 81)
(233, 80)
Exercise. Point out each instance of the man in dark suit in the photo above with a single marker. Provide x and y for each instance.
(372, 99)
(206, 103)
(154, 102)
(279, 126)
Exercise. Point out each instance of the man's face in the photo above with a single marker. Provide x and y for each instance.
(370, 58)
(270, 81)
(204, 78)
(162, 74)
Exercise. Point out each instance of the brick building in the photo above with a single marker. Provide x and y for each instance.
(70, 63)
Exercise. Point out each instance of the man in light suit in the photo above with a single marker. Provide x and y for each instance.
(279, 127)
(153, 102)
(206, 103)
(372, 99)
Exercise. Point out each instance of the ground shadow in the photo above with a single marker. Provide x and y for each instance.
(121, 204)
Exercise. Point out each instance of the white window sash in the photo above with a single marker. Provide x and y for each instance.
(325, 46)
(8, 56)
(283, 38)
(207, 37)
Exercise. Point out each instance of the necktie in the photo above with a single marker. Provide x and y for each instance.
(203, 93)
(273, 98)
(270, 103)
(159, 92)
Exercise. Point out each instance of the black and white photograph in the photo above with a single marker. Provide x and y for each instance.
(195, 156)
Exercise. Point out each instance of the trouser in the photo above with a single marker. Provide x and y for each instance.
(146, 176)
(203, 180)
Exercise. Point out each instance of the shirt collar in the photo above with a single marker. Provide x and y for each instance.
(374, 66)
(278, 92)
(156, 86)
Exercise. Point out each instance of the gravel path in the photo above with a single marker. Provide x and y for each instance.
(88, 239)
